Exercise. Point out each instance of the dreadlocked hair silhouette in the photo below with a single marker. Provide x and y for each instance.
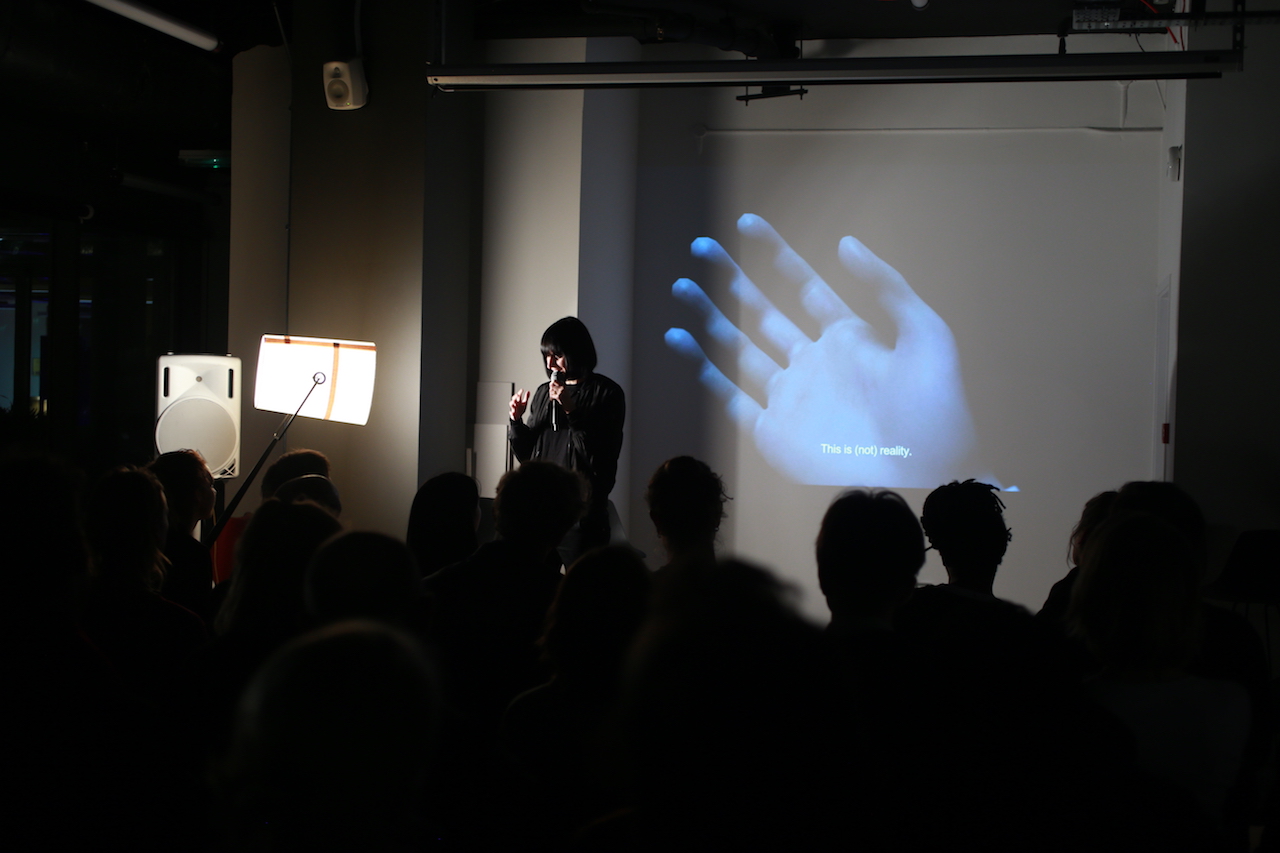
(965, 523)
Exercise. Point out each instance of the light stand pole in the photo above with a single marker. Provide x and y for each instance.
(317, 380)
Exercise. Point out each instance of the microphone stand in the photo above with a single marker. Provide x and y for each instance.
(316, 380)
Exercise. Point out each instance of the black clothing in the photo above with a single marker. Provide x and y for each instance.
(1230, 647)
(986, 645)
(1231, 650)
(189, 578)
(147, 638)
(487, 613)
(1054, 611)
(588, 440)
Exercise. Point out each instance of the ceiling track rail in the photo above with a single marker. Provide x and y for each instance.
(1163, 65)
(1109, 21)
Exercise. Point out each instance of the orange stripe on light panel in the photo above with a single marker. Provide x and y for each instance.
(333, 382)
(303, 343)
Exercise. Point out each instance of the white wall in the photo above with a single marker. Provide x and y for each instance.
(258, 291)
(559, 222)
(382, 250)
(532, 186)
(356, 259)
(606, 253)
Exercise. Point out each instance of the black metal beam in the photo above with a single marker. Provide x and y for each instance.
(1093, 23)
(817, 72)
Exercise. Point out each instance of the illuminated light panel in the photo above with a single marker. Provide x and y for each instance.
(287, 365)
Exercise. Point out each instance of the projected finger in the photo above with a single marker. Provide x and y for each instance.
(753, 362)
(776, 328)
(822, 303)
(897, 297)
(739, 405)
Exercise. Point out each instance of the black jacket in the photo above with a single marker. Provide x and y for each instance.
(588, 440)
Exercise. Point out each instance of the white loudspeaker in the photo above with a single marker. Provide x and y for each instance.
(344, 85)
(198, 407)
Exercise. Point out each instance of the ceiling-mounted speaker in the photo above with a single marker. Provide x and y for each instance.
(344, 85)
(198, 407)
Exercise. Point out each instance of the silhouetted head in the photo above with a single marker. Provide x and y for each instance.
(686, 502)
(333, 744)
(537, 503)
(362, 575)
(126, 523)
(316, 488)
(295, 463)
(1136, 603)
(965, 524)
(1174, 505)
(271, 562)
(1095, 511)
(596, 613)
(188, 487)
(569, 337)
(720, 699)
(870, 549)
(443, 521)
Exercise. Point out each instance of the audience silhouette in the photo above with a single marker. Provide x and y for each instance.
(554, 733)
(443, 521)
(291, 465)
(264, 609)
(487, 611)
(1095, 511)
(333, 746)
(869, 550)
(1137, 608)
(189, 492)
(360, 692)
(364, 575)
(965, 524)
(316, 488)
(724, 720)
(145, 636)
(686, 505)
(80, 761)
(983, 639)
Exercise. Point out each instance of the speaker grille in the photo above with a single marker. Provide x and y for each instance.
(200, 423)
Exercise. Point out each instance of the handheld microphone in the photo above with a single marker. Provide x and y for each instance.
(555, 377)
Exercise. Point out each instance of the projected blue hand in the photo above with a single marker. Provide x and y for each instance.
(846, 409)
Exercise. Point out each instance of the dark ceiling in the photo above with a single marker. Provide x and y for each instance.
(769, 28)
(71, 61)
(68, 65)
(244, 23)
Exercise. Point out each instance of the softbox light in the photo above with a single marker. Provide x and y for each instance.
(289, 367)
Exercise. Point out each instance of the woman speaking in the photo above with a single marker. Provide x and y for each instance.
(575, 420)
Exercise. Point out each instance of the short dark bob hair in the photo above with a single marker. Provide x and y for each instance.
(569, 337)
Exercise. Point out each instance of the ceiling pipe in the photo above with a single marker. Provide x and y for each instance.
(160, 22)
